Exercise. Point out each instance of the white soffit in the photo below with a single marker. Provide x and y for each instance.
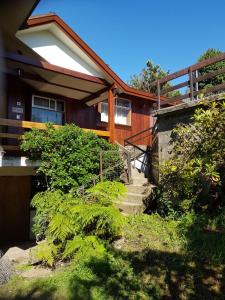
(51, 43)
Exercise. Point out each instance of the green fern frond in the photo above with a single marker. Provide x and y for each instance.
(105, 193)
(98, 220)
(83, 246)
(46, 251)
(60, 227)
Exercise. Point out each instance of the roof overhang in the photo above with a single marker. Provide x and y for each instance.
(112, 77)
(49, 78)
(15, 13)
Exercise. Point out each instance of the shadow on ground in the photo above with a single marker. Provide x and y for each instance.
(146, 274)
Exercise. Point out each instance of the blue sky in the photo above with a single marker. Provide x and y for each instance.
(126, 33)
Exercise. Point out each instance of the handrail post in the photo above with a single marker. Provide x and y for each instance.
(101, 165)
(191, 84)
(158, 93)
(129, 167)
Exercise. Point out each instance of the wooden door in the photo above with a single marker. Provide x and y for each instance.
(14, 208)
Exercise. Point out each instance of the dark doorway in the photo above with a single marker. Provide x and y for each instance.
(14, 208)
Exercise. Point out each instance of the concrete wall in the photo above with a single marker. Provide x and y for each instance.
(167, 120)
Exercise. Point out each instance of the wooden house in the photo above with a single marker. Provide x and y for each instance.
(49, 74)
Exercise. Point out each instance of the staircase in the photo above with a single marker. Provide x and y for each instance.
(139, 188)
(138, 191)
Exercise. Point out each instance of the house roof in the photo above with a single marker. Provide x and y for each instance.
(53, 18)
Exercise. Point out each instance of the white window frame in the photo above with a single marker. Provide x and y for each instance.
(128, 108)
(49, 99)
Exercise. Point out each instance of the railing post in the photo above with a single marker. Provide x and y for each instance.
(129, 167)
(158, 93)
(111, 117)
(101, 165)
(191, 84)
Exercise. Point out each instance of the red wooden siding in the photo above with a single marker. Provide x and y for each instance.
(79, 113)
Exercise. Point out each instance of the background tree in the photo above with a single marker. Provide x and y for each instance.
(211, 52)
(148, 75)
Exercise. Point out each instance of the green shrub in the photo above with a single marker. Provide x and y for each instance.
(69, 156)
(193, 178)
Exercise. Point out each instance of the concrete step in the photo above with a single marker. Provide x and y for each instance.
(132, 188)
(131, 208)
(139, 181)
(134, 197)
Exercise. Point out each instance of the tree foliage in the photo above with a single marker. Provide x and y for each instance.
(219, 78)
(68, 155)
(193, 178)
(148, 75)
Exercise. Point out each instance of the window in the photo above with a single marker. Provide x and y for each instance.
(122, 111)
(47, 110)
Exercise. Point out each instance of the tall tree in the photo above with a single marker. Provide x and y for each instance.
(211, 52)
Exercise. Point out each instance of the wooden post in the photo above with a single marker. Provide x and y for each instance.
(101, 166)
(158, 94)
(191, 84)
(111, 118)
(129, 168)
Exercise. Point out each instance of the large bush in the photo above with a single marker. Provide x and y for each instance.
(194, 176)
(68, 155)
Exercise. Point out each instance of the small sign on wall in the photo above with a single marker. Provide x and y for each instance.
(17, 110)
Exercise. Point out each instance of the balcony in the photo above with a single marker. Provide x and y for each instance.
(9, 142)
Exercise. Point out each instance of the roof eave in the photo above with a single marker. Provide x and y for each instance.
(51, 17)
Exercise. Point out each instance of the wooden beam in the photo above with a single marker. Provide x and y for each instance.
(35, 77)
(10, 135)
(49, 67)
(194, 67)
(95, 95)
(10, 147)
(24, 124)
(111, 116)
(28, 124)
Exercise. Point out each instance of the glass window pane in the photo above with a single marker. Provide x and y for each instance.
(123, 103)
(41, 102)
(52, 104)
(44, 116)
(104, 112)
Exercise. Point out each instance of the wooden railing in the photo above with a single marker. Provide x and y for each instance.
(192, 84)
(29, 125)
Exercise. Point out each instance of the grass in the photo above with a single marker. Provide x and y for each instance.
(156, 259)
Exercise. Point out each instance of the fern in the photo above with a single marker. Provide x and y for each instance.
(60, 227)
(46, 251)
(106, 193)
(98, 220)
(75, 224)
(83, 247)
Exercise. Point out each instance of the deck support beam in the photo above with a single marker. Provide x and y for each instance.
(111, 114)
